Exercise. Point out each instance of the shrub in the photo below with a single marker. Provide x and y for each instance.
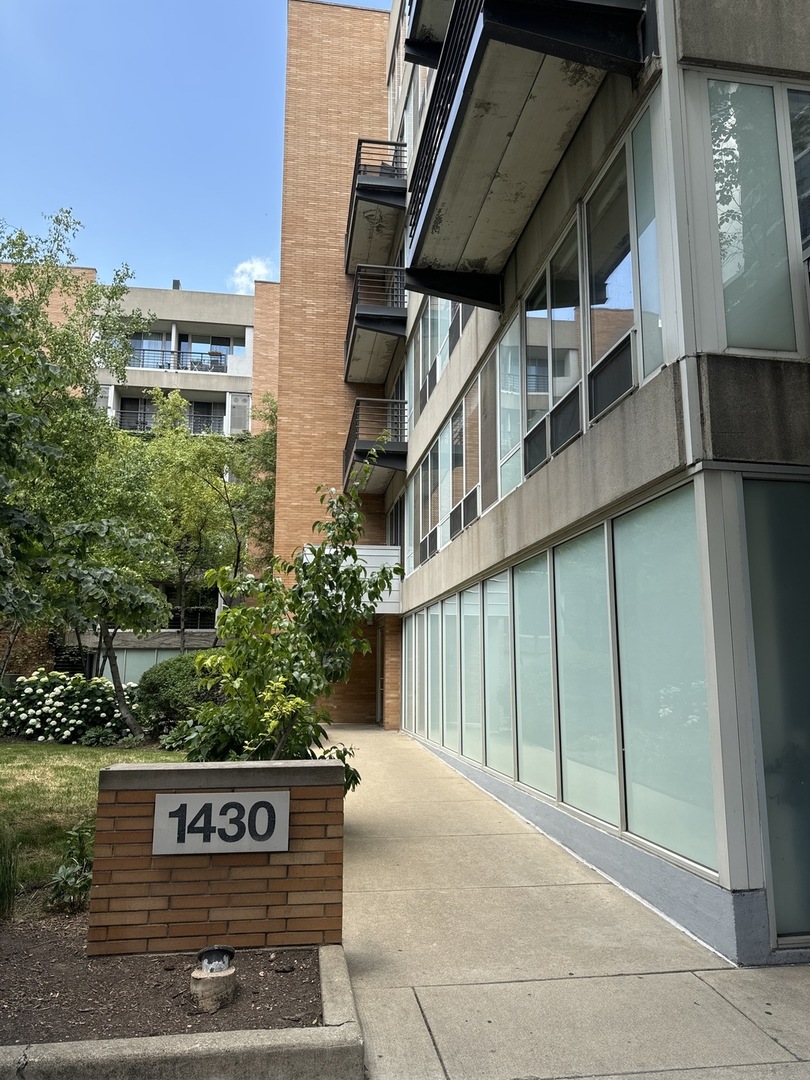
(69, 888)
(170, 693)
(55, 707)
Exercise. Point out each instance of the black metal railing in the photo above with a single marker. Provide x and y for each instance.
(198, 424)
(378, 287)
(448, 75)
(215, 361)
(372, 418)
(386, 160)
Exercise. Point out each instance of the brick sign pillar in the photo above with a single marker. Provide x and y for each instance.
(245, 893)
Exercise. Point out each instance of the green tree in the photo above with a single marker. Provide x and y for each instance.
(286, 643)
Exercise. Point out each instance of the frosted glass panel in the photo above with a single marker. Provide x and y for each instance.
(471, 698)
(420, 669)
(452, 701)
(434, 663)
(778, 527)
(587, 728)
(498, 675)
(407, 674)
(750, 217)
(667, 748)
(535, 715)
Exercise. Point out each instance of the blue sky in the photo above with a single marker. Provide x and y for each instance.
(159, 122)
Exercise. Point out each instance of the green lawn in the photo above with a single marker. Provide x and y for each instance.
(46, 790)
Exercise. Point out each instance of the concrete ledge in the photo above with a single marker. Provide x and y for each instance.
(334, 1050)
(189, 776)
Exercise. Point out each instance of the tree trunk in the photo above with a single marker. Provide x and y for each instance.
(123, 707)
(12, 637)
(181, 603)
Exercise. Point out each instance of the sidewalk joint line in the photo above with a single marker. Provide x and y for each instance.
(750, 1020)
(430, 1032)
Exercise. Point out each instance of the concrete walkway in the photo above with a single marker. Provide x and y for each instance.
(479, 950)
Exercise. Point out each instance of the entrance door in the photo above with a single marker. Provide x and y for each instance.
(778, 526)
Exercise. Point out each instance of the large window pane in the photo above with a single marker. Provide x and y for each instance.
(407, 674)
(445, 486)
(565, 327)
(472, 703)
(610, 272)
(799, 102)
(452, 702)
(667, 748)
(434, 666)
(750, 217)
(488, 382)
(498, 675)
(587, 727)
(420, 674)
(509, 390)
(471, 471)
(535, 711)
(537, 327)
(652, 345)
(778, 525)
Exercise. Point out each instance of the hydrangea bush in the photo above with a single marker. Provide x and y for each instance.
(55, 707)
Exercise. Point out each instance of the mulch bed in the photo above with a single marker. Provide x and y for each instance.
(50, 991)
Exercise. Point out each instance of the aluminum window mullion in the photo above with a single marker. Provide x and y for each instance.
(790, 199)
(616, 674)
(555, 675)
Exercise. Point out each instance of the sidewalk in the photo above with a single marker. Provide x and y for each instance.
(479, 950)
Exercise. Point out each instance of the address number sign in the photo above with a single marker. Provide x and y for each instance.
(200, 824)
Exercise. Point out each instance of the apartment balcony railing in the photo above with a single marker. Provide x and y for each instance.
(427, 29)
(372, 419)
(215, 362)
(128, 420)
(377, 203)
(512, 84)
(377, 323)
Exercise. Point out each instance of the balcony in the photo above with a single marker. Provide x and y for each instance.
(371, 419)
(377, 323)
(377, 207)
(142, 421)
(514, 80)
(215, 362)
(427, 29)
(374, 556)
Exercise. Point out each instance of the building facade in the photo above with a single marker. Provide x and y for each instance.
(576, 275)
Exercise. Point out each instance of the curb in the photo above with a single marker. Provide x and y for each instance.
(334, 1050)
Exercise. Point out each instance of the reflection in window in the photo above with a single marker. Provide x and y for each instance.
(535, 705)
(498, 675)
(610, 276)
(750, 217)
(509, 411)
(472, 704)
(652, 344)
(451, 673)
(565, 339)
(537, 354)
(799, 106)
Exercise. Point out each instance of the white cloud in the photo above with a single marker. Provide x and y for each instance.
(243, 276)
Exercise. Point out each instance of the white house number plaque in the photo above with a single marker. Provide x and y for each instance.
(200, 824)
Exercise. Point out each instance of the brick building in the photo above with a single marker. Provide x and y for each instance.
(576, 277)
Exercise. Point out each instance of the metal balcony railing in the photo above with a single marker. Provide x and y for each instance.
(378, 287)
(386, 160)
(198, 424)
(373, 417)
(448, 75)
(215, 361)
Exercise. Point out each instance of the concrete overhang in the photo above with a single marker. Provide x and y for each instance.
(377, 323)
(427, 29)
(499, 123)
(377, 207)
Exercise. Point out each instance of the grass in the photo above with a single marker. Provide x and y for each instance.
(46, 790)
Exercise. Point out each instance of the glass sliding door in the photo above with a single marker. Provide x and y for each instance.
(778, 526)
(667, 746)
(535, 706)
(499, 719)
(472, 702)
(585, 674)
(434, 667)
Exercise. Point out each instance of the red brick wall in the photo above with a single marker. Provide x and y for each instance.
(145, 903)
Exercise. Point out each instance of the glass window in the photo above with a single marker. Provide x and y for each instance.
(584, 664)
(509, 413)
(488, 383)
(565, 332)
(537, 327)
(457, 456)
(750, 217)
(610, 273)
(535, 705)
(667, 746)
(472, 704)
(498, 675)
(407, 674)
(471, 438)
(652, 343)
(777, 524)
(445, 485)
(799, 107)
(420, 673)
(434, 663)
(452, 701)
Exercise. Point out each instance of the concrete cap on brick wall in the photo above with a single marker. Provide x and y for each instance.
(210, 774)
